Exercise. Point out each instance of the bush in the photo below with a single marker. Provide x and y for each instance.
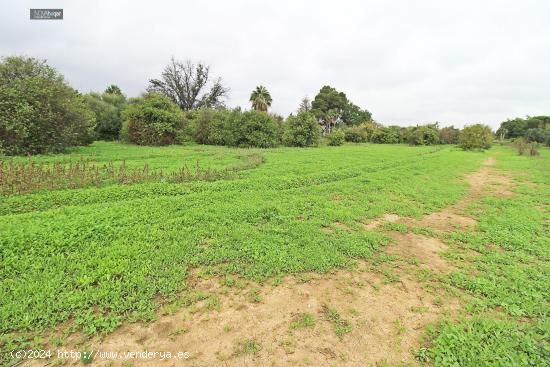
(302, 130)
(356, 134)
(211, 126)
(525, 147)
(39, 112)
(475, 137)
(107, 108)
(252, 129)
(152, 120)
(538, 135)
(385, 135)
(424, 135)
(449, 135)
(336, 138)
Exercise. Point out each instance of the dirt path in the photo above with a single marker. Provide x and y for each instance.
(387, 307)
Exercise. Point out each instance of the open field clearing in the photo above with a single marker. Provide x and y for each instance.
(358, 255)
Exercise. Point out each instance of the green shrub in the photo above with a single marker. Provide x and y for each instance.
(476, 136)
(424, 135)
(211, 126)
(336, 138)
(538, 135)
(356, 134)
(302, 130)
(449, 135)
(386, 135)
(107, 108)
(152, 120)
(39, 112)
(252, 129)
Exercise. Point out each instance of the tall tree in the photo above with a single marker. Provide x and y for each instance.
(260, 98)
(354, 115)
(305, 105)
(187, 85)
(328, 106)
(113, 89)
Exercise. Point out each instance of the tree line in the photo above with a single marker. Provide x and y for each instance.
(41, 113)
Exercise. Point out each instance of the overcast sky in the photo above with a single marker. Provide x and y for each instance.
(408, 62)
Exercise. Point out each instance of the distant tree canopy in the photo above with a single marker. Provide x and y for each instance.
(260, 98)
(354, 115)
(305, 105)
(188, 85)
(39, 111)
(113, 89)
(518, 127)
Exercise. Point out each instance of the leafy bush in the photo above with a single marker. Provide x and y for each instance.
(524, 147)
(356, 134)
(302, 130)
(39, 112)
(211, 126)
(252, 129)
(152, 120)
(107, 108)
(449, 135)
(336, 138)
(424, 135)
(538, 135)
(385, 135)
(476, 136)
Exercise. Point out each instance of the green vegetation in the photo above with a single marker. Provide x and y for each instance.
(39, 111)
(97, 255)
(341, 326)
(303, 320)
(107, 108)
(151, 120)
(476, 136)
(101, 255)
(260, 99)
(508, 282)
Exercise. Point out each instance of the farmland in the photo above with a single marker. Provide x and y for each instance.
(315, 256)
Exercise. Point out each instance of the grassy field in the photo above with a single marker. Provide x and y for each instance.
(93, 258)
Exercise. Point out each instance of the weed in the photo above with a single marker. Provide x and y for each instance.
(341, 326)
(303, 320)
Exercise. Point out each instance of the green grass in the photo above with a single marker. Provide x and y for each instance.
(99, 256)
(509, 282)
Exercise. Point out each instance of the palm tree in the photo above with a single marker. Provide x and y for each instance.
(260, 98)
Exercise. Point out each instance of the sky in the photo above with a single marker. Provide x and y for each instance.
(408, 62)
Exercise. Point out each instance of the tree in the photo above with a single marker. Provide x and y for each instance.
(512, 128)
(152, 120)
(187, 85)
(424, 135)
(353, 115)
(449, 135)
(302, 130)
(476, 136)
(386, 135)
(305, 105)
(538, 135)
(252, 129)
(113, 89)
(328, 107)
(107, 108)
(39, 111)
(260, 99)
